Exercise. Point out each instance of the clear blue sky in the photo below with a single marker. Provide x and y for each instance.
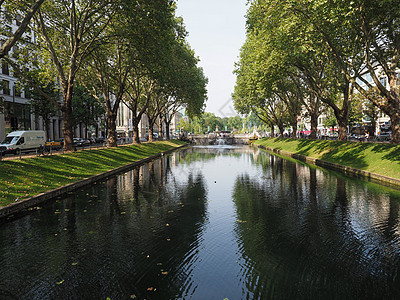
(216, 33)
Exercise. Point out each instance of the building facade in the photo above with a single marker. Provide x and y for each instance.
(125, 127)
(15, 97)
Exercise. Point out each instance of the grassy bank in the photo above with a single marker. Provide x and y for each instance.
(20, 179)
(383, 159)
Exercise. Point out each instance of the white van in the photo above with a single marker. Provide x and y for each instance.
(23, 141)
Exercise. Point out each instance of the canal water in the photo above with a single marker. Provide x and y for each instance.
(216, 222)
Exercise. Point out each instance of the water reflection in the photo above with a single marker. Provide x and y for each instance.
(309, 235)
(131, 236)
(209, 223)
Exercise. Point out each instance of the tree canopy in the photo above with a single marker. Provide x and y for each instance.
(128, 51)
(329, 48)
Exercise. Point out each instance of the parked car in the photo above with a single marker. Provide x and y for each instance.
(79, 142)
(155, 136)
(333, 135)
(99, 140)
(357, 137)
(384, 137)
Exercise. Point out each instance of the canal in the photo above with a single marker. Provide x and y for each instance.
(209, 222)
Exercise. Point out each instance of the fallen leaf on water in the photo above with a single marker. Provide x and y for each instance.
(151, 289)
(60, 282)
(240, 221)
(124, 212)
(164, 273)
(167, 224)
(74, 263)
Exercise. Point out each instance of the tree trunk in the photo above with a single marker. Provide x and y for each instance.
(160, 128)
(281, 129)
(342, 122)
(151, 132)
(136, 138)
(294, 126)
(394, 111)
(47, 126)
(395, 123)
(67, 116)
(272, 130)
(111, 130)
(314, 126)
(167, 129)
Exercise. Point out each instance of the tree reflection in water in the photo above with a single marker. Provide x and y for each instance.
(130, 231)
(208, 223)
(303, 235)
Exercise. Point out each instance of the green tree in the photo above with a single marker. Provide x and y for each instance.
(40, 105)
(235, 123)
(67, 32)
(23, 11)
(184, 124)
(129, 62)
(185, 83)
(361, 39)
(279, 39)
(86, 109)
(105, 76)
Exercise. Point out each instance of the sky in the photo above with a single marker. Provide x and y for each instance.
(216, 33)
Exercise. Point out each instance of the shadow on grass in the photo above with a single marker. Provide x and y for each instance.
(34, 175)
(339, 152)
(392, 151)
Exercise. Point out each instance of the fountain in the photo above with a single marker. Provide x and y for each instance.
(220, 141)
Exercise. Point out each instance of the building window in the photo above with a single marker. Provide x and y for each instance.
(17, 90)
(4, 68)
(27, 91)
(368, 77)
(18, 20)
(6, 87)
(383, 81)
